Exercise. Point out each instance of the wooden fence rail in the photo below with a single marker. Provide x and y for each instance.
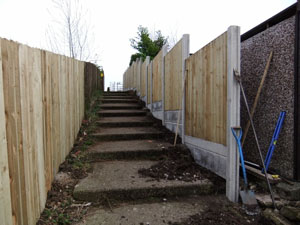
(42, 104)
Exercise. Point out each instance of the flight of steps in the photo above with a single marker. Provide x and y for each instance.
(127, 140)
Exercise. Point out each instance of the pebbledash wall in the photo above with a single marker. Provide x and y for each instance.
(279, 92)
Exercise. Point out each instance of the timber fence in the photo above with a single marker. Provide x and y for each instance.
(42, 104)
(197, 94)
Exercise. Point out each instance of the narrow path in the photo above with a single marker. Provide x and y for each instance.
(128, 140)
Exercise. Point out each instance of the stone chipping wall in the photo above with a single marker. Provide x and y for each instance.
(277, 93)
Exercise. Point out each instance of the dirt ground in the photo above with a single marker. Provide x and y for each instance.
(178, 164)
(233, 214)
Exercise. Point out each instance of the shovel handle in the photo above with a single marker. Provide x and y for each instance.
(238, 140)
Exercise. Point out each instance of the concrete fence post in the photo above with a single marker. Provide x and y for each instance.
(233, 112)
(185, 55)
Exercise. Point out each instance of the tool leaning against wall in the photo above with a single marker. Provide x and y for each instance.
(239, 80)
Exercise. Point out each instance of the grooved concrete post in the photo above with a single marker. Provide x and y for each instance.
(185, 55)
(233, 112)
(164, 52)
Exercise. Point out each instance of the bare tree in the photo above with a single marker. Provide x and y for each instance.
(70, 31)
(172, 38)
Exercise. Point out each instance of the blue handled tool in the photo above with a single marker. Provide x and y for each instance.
(247, 196)
(274, 140)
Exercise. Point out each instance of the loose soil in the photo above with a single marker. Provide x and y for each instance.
(233, 214)
(178, 164)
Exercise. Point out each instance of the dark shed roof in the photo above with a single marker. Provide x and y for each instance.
(283, 15)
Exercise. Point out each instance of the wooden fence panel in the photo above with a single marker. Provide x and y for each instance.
(44, 101)
(173, 78)
(5, 196)
(157, 77)
(206, 92)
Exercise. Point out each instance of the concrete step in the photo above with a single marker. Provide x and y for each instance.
(108, 106)
(114, 101)
(117, 93)
(118, 113)
(162, 213)
(132, 149)
(133, 121)
(128, 133)
(119, 97)
(120, 180)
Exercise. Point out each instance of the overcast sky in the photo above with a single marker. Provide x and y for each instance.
(115, 22)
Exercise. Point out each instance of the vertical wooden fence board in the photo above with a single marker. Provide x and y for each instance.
(55, 113)
(81, 91)
(31, 140)
(37, 98)
(48, 104)
(5, 196)
(71, 91)
(76, 84)
(78, 95)
(74, 78)
(62, 103)
(27, 131)
(16, 158)
(68, 106)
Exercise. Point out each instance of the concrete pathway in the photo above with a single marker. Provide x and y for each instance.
(126, 141)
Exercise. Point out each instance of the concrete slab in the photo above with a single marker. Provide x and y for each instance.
(136, 149)
(117, 93)
(121, 106)
(152, 213)
(134, 121)
(119, 100)
(127, 133)
(120, 180)
(122, 112)
(119, 97)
